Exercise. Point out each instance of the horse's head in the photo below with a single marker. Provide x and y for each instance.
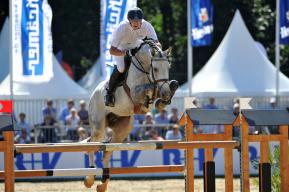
(154, 62)
(160, 66)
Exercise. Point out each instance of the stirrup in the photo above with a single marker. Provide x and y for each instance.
(109, 100)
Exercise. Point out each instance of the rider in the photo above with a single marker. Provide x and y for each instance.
(124, 38)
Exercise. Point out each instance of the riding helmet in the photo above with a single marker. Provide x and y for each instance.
(135, 14)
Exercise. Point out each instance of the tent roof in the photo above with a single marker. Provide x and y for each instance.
(61, 86)
(92, 77)
(237, 68)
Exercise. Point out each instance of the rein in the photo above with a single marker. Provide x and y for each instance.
(139, 66)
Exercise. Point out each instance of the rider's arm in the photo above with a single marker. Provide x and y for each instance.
(117, 37)
(116, 52)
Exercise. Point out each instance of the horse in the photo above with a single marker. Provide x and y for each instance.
(146, 83)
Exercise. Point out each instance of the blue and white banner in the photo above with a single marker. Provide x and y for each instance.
(31, 41)
(284, 21)
(202, 22)
(112, 13)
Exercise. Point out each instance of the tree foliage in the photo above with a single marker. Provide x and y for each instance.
(76, 31)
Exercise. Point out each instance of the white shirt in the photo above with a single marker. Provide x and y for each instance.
(170, 135)
(72, 123)
(125, 37)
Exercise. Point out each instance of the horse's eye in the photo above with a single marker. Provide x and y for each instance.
(155, 70)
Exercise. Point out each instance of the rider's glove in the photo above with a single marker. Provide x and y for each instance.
(133, 51)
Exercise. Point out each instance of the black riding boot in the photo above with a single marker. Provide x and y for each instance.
(112, 84)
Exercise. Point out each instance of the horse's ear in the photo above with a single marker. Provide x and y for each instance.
(168, 51)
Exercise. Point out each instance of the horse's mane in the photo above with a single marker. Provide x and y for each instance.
(152, 44)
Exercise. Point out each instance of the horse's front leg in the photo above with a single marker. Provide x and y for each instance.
(97, 135)
(105, 175)
(119, 134)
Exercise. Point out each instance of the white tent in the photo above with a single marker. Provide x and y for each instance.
(61, 86)
(4, 51)
(237, 68)
(93, 77)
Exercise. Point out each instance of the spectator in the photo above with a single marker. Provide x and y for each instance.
(173, 116)
(23, 137)
(236, 100)
(139, 117)
(162, 118)
(72, 123)
(66, 111)
(236, 130)
(148, 121)
(273, 103)
(82, 134)
(273, 129)
(49, 110)
(212, 128)
(23, 124)
(236, 111)
(83, 113)
(48, 130)
(135, 133)
(174, 133)
(153, 135)
(108, 135)
(197, 129)
(211, 104)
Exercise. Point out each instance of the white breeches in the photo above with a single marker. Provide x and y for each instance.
(119, 60)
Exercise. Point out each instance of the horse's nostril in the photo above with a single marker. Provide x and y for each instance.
(174, 85)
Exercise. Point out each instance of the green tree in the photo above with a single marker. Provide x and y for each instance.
(76, 31)
(4, 8)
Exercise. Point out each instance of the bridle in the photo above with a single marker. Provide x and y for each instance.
(152, 80)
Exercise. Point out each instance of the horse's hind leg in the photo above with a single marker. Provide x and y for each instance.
(119, 134)
(97, 135)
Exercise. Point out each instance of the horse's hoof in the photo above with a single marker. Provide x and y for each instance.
(88, 181)
(102, 187)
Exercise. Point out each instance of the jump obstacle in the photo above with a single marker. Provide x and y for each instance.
(190, 119)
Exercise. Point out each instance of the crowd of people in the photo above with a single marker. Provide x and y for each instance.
(72, 122)
(73, 125)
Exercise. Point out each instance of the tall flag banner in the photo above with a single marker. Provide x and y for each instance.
(202, 22)
(112, 13)
(31, 41)
(284, 21)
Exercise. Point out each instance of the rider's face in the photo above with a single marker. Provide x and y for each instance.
(135, 24)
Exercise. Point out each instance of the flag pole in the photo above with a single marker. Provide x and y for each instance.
(10, 51)
(190, 49)
(277, 50)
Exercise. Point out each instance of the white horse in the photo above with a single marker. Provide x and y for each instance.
(147, 81)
